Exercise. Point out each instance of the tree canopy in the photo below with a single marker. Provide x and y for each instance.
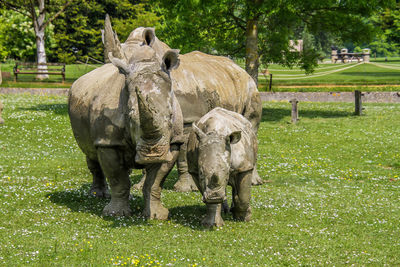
(41, 13)
(258, 30)
(78, 33)
(262, 29)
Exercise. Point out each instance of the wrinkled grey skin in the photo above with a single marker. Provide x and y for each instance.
(222, 150)
(208, 81)
(201, 83)
(136, 122)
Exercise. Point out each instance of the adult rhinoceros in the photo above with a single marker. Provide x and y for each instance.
(201, 83)
(125, 115)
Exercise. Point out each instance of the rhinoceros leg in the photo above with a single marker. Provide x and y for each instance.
(185, 181)
(155, 177)
(241, 196)
(253, 112)
(99, 186)
(112, 164)
(139, 186)
(213, 216)
(256, 179)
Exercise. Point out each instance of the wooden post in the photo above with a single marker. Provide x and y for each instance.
(295, 111)
(358, 102)
(270, 82)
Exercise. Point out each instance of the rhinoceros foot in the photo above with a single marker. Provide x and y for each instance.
(242, 215)
(101, 192)
(185, 183)
(256, 179)
(209, 222)
(213, 216)
(157, 211)
(117, 208)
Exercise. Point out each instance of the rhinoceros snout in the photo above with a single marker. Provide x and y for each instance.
(214, 196)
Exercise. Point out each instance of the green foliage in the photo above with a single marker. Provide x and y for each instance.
(78, 32)
(17, 38)
(387, 42)
(331, 198)
(221, 25)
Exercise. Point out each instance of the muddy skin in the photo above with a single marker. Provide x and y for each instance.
(136, 123)
(222, 149)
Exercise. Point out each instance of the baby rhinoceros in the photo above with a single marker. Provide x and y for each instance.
(222, 150)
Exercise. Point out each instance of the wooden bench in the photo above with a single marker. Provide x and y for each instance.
(32, 68)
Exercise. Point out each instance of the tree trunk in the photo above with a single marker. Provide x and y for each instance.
(40, 47)
(41, 55)
(252, 49)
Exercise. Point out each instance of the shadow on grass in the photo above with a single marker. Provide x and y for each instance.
(80, 200)
(277, 114)
(57, 109)
(191, 216)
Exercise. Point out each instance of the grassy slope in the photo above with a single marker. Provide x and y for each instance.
(363, 77)
(332, 195)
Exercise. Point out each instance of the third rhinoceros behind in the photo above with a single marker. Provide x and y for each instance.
(222, 150)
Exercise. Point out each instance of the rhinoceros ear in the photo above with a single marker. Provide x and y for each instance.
(119, 63)
(235, 137)
(149, 36)
(171, 60)
(199, 133)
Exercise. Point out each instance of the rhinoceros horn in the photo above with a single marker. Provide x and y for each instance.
(111, 41)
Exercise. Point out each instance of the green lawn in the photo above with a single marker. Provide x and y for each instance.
(379, 75)
(332, 196)
(335, 75)
(72, 72)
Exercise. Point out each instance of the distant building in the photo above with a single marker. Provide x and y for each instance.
(296, 45)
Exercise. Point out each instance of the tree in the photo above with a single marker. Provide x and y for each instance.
(78, 31)
(17, 37)
(42, 13)
(262, 29)
(388, 41)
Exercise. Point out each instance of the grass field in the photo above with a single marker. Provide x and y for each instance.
(72, 72)
(378, 75)
(328, 76)
(332, 196)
